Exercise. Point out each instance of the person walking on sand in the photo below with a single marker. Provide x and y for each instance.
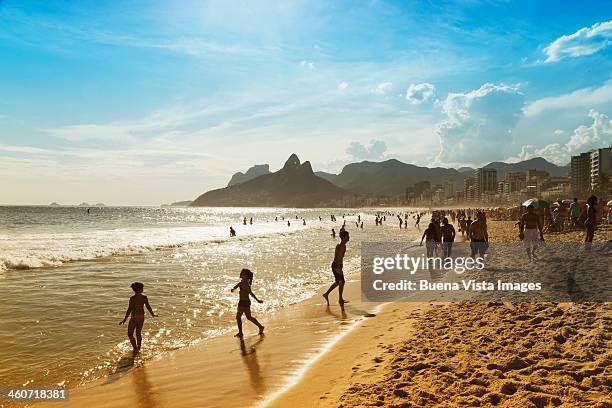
(244, 304)
(336, 267)
(530, 229)
(575, 211)
(136, 308)
(591, 221)
(479, 236)
(448, 237)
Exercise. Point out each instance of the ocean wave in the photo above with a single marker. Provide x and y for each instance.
(54, 250)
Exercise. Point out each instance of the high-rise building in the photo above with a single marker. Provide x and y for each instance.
(580, 174)
(485, 182)
(601, 164)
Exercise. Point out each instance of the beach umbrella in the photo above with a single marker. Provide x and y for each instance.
(567, 202)
(609, 203)
(531, 201)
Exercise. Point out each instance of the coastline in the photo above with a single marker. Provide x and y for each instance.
(223, 372)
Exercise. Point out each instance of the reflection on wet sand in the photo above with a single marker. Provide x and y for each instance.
(145, 396)
(249, 356)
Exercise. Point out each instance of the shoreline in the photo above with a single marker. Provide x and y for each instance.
(225, 372)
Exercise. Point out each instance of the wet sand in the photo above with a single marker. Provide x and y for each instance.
(223, 372)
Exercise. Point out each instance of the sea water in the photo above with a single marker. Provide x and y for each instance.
(65, 276)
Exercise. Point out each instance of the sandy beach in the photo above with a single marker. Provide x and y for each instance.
(470, 354)
(397, 354)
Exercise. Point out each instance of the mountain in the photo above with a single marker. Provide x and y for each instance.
(255, 171)
(391, 177)
(326, 176)
(537, 163)
(295, 185)
(466, 170)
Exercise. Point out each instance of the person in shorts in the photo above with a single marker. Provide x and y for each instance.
(336, 268)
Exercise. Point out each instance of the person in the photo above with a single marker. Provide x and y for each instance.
(468, 223)
(575, 212)
(244, 222)
(362, 221)
(276, 218)
(251, 221)
(244, 303)
(479, 236)
(430, 239)
(610, 216)
(418, 220)
(336, 268)
(401, 222)
(448, 237)
(304, 221)
(288, 223)
(591, 221)
(333, 233)
(136, 309)
(530, 229)
(232, 232)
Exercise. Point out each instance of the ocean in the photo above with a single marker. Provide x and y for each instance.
(65, 278)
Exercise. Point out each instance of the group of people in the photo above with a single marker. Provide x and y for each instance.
(439, 237)
(440, 234)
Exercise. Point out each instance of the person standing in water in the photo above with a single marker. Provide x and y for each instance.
(136, 308)
(232, 232)
(336, 267)
(333, 234)
(244, 304)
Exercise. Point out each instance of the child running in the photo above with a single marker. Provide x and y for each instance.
(244, 304)
(136, 309)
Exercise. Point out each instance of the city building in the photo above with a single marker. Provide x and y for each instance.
(601, 165)
(485, 183)
(580, 174)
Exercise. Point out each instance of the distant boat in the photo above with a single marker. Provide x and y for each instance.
(54, 204)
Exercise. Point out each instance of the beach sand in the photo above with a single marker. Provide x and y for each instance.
(470, 354)
(398, 354)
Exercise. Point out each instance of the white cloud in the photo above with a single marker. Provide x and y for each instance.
(586, 41)
(420, 93)
(581, 98)
(342, 86)
(584, 138)
(383, 88)
(307, 64)
(374, 151)
(478, 125)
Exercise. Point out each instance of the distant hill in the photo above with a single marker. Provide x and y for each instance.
(326, 176)
(255, 171)
(181, 204)
(295, 185)
(537, 163)
(391, 177)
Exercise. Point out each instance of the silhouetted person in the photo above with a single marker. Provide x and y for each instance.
(591, 221)
(136, 308)
(333, 233)
(336, 267)
(244, 222)
(448, 237)
(232, 232)
(251, 221)
(288, 223)
(244, 304)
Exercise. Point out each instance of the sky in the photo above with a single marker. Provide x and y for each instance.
(144, 103)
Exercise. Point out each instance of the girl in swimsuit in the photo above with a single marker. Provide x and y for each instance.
(136, 309)
(244, 304)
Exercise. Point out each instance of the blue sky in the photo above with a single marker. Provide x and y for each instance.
(151, 102)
